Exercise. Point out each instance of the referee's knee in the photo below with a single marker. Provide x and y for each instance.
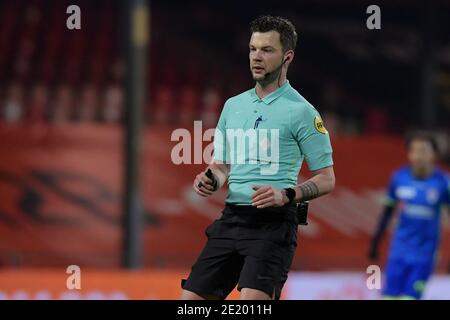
(254, 294)
(189, 295)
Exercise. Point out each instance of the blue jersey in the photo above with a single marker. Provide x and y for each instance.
(420, 203)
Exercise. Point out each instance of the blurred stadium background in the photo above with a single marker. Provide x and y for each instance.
(63, 103)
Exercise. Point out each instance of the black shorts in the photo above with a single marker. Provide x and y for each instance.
(248, 247)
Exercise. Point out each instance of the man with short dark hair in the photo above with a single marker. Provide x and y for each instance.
(262, 137)
(419, 191)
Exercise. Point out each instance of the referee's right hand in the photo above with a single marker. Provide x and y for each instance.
(203, 185)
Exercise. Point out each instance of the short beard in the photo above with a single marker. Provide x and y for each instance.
(266, 80)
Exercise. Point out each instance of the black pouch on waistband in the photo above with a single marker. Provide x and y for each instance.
(302, 213)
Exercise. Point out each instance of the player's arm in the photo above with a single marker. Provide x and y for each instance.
(321, 183)
(314, 142)
(385, 218)
(390, 203)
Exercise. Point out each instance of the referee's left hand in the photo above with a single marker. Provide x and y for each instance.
(267, 196)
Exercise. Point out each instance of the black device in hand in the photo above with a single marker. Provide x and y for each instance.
(211, 176)
(302, 213)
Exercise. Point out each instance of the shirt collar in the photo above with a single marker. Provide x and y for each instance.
(273, 95)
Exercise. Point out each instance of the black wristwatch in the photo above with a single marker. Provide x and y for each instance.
(290, 194)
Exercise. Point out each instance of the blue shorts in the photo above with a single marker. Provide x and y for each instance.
(407, 278)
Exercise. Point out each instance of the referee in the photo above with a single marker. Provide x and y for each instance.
(253, 243)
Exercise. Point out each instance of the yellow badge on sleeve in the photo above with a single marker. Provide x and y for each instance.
(318, 124)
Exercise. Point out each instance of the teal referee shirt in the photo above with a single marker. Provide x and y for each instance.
(265, 141)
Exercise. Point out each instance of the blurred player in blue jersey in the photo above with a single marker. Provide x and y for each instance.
(419, 191)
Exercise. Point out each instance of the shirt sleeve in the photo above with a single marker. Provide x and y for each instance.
(220, 144)
(312, 137)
